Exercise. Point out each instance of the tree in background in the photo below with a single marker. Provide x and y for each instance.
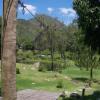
(48, 32)
(9, 50)
(84, 57)
(89, 20)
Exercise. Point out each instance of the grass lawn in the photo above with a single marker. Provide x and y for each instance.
(33, 79)
(71, 79)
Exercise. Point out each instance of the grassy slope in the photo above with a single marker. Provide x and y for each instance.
(42, 80)
(48, 80)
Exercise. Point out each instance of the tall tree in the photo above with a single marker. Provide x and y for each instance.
(89, 20)
(9, 50)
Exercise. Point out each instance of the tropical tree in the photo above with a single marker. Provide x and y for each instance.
(9, 50)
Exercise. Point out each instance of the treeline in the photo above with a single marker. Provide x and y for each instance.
(47, 34)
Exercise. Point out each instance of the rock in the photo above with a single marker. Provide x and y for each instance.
(65, 94)
(75, 95)
(67, 78)
(47, 80)
(32, 68)
(79, 90)
(36, 65)
(33, 83)
(24, 68)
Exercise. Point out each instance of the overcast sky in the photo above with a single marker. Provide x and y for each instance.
(61, 9)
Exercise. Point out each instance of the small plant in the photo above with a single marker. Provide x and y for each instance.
(41, 69)
(25, 57)
(17, 71)
(64, 96)
(44, 66)
(60, 84)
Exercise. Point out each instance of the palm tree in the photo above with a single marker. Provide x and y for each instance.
(9, 50)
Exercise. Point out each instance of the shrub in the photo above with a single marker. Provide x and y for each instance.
(17, 71)
(45, 52)
(69, 63)
(25, 56)
(60, 84)
(46, 66)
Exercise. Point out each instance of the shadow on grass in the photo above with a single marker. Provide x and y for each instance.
(82, 79)
(94, 96)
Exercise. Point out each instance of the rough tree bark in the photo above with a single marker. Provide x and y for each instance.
(9, 50)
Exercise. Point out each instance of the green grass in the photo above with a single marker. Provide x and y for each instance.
(48, 80)
(41, 80)
(72, 78)
(75, 72)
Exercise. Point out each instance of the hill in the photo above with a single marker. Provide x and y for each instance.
(28, 30)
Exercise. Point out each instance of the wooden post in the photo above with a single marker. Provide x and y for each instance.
(83, 93)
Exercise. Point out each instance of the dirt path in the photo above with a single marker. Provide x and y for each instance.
(36, 95)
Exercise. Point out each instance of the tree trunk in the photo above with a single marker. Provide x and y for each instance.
(91, 76)
(91, 73)
(52, 60)
(9, 50)
(83, 93)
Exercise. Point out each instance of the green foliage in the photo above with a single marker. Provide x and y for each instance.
(17, 71)
(86, 58)
(60, 84)
(89, 20)
(25, 56)
(26, 30)
(46, 66)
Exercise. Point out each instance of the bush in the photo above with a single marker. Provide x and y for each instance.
(17, 71)
(69, 63)
(25, 56)
(46, 52)
(46, 66)
(60, 84)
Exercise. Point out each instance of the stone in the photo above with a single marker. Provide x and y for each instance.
(75, 95)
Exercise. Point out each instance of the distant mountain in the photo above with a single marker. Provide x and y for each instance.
(28, 30)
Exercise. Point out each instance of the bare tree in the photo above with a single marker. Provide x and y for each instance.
(9, 50)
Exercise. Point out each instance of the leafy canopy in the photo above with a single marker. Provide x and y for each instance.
(89, 20)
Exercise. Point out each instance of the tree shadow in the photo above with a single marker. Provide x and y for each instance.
(94, 96)
(82, 79)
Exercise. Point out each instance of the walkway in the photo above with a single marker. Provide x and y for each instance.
(36, 95)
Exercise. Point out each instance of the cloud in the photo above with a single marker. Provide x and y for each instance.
(31, 8)
(50, 10)
(68, 11)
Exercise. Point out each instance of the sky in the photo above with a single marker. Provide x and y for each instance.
(60, 9)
